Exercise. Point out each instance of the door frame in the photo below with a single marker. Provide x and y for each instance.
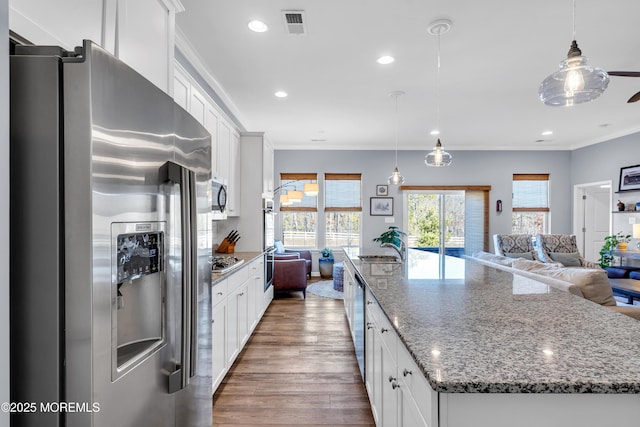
(578, 207)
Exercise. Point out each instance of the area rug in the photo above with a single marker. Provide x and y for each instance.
(324, 289)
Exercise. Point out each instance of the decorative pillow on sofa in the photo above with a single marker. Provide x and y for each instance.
(279, 247)
(571, 259)
(525, 255)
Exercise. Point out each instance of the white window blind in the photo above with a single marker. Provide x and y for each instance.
(530, 193)
(296, 181)
(342, 192)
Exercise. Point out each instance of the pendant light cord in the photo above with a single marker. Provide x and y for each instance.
(396, 96)
(574, 20)
(438, 88)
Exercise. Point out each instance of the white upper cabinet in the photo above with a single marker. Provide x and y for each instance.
(224, 149)
(139, 32)
(267, 168)
(211, 124)
(181, 88)
(45, 22)
(197, 106)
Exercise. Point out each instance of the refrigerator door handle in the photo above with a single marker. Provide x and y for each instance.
(186, 179)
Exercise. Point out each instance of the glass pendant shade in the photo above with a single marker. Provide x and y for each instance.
(295, 196)
(395, 178)
(438, 157)
(311, 189)
(575, 82)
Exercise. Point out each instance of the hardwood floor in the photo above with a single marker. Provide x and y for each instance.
(298, 369)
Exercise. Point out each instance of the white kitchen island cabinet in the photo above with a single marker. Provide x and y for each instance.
(472, 347)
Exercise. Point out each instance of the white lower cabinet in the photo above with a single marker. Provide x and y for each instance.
(398, 391)
(238, 304)
(219, 343)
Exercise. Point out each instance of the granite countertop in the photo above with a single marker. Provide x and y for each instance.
(476, 329)
(247, 257)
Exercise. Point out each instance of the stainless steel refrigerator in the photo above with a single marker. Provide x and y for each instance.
(110, 237)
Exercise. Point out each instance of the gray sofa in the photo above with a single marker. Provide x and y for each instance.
(591, 284)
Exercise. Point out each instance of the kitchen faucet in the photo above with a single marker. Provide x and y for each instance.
(402, 249)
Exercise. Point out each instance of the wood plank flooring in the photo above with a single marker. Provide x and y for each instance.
(298, 369)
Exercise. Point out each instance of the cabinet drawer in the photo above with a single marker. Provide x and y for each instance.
(371, 306)
(388, 334)
(410, 374)
(219, 292)
(238, 278)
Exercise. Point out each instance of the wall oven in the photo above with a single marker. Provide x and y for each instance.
(269, 241)
(218, 198)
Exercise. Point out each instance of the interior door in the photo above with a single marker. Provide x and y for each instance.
(596, 212)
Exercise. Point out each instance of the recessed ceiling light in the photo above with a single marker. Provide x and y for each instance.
(257, 26)
(281, 94)
(435, 132)
(384, 60)
(547, 133)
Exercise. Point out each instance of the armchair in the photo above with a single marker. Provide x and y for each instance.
(305, 255)
(513, 245)
(289, 274)
(561, 248)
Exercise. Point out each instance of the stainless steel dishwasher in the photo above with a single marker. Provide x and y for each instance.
(358, 322)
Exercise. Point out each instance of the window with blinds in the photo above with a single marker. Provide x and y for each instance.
(299, 214)
(343, 209)
(530, 193)
(294, 183)
(530, 204)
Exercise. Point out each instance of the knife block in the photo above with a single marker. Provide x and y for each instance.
(226, 247)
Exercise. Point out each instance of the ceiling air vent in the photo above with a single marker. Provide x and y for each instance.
(294, 21)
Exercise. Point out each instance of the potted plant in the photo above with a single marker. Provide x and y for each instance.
(610, 243)
(325, 263)
(393, 235)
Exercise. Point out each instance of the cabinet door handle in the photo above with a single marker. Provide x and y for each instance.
(395, 385)
(406, 372)
(369, 302)
(369, 325)
(241, 294)
(392, 379)
(220, 293)
(383, 330)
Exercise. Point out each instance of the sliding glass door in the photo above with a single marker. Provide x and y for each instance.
(436, 224)
(436, 221)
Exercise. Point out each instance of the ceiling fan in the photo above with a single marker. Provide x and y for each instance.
(635, 97)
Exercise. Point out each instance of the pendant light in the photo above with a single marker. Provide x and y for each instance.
(575, 82)
(438, 157)
(396, 178)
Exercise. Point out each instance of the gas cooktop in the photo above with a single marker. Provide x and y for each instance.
(223, 264)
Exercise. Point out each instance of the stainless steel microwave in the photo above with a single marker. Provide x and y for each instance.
(218, 198)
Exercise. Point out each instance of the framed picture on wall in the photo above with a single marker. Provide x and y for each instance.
(629, 178)
(382, 190)
(381, 206)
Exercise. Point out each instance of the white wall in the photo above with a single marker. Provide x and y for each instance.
(4, 210)
(494, 168)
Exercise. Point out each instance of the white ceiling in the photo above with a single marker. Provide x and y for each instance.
(492, 62)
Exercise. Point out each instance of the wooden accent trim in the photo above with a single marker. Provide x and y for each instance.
(530, 209)
(343, 176)
(486, 221)
(446, 187)
(298, 209)
(351, 209)
(298, 176)
(531, 177)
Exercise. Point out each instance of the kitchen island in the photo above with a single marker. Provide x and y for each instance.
(501, 349)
